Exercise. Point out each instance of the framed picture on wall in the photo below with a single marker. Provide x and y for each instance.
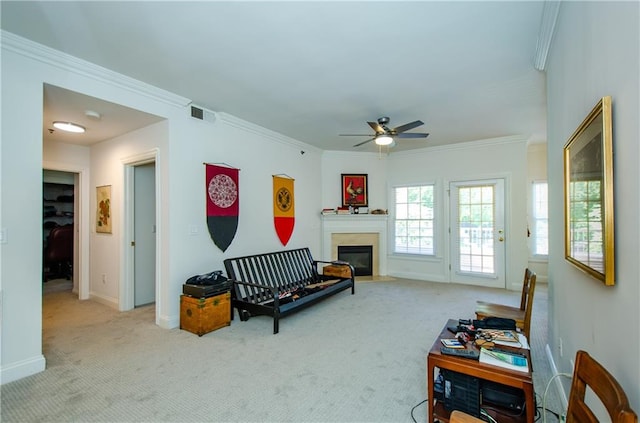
(103, 209)
(354, 190)
(588, 190)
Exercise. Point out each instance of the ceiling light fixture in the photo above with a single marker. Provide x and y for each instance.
(384, 139)
(69, 127)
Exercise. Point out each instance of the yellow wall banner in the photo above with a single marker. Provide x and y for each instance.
(284, 215)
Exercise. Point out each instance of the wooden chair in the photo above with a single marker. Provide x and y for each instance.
(589, 373)
(521, 315)
(460, 417)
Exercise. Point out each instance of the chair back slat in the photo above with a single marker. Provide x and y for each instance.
(528, 290)
(589, 373)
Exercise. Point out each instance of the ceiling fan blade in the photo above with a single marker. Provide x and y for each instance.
(376, 127)
(408, 126)
(411, 135)
(364, 142)
(354, 135)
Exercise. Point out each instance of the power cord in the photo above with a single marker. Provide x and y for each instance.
(416, 406)
(539, 410)
(544, 397)
(487, 417)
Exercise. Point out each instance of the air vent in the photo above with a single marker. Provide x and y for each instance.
(203, 114)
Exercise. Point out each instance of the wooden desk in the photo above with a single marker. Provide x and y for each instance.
(517, 379)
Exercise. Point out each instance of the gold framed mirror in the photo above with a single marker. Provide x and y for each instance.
(588, 195)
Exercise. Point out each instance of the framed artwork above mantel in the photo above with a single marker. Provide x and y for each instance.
(354, 190)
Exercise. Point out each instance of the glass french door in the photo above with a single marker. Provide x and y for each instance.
(477, 232)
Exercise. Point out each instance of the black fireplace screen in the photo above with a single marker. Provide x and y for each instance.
(359, 256)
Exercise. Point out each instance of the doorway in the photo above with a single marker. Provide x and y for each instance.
(477, 232)
(141, 238)
(144, 223)
(58, 229)
(77, 178)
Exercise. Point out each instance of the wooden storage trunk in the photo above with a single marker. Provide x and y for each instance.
(203, 315)
(337, 270)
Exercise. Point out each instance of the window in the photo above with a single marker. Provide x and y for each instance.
(414, 220)
(540, 227)
(476, 225)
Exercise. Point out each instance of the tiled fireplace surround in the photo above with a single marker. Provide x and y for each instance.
(356, 229)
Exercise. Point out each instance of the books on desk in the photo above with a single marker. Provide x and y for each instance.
(509, 338)
(505, 359)
(452, 343)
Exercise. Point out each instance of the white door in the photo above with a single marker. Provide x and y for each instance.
(477, 233)
(144, 217)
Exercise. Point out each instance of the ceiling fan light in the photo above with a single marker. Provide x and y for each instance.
(384, 140)
(69, 127)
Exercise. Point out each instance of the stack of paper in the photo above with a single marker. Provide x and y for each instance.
(506, 360)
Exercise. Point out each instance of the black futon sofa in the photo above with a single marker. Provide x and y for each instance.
(279, 283)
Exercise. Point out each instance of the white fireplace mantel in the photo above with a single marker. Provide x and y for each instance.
(353, 224)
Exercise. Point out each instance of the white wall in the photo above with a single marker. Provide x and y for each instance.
(108, 160)
(259, 154)
(183, 144)
(335, 163)
(595, 52)
(497, 158)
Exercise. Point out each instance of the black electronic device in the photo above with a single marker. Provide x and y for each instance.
(503, 396)
(210, 278)
(495, 323)
(461, 392)
(205, 291)
(459, 352)
(207, 285)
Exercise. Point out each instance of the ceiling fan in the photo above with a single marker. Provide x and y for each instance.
(385, 135)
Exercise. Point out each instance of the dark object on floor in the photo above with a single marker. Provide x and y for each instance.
(58, 255)
(279, 283)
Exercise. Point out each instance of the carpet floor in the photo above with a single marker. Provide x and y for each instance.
(359, 358)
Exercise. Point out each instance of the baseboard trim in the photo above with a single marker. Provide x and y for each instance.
(22, 369)
(417, 276)
(558, 383)
(108, 301)
(168, 322)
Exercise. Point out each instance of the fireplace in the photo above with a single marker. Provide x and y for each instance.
(359, 256)
(354, 230)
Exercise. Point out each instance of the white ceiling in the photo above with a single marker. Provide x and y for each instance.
(313, 70)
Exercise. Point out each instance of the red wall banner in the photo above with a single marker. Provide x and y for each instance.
(222, 204)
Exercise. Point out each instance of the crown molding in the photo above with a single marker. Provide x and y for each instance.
(244, 125)
(512, 139)
(545, 35)
(66, 62)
